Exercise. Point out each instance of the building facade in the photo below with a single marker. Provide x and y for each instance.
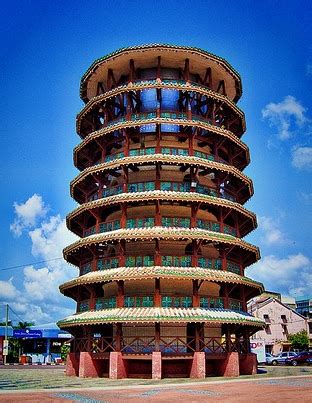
(280, 321)
(304, 307)
(161, 289)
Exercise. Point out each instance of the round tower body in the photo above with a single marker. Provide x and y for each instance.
(161, 289)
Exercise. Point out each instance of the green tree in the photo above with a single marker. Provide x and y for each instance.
(299, 340)
(24, 325)
(65, 349)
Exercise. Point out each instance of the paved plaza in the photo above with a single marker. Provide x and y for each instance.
(37, 384)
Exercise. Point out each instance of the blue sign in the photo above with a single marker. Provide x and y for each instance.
(31, 334)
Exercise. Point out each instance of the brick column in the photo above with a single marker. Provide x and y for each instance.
(117, 366)
(248, 364)
(156, 365)
(72, 364)
(88, 367)
(198, 368)
(228, 367)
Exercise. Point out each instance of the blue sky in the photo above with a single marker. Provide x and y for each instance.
(46, 48)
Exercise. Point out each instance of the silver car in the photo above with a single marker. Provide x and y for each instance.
(269, 358)
(280, 358)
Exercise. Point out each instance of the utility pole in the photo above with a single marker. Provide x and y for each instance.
(6, 342)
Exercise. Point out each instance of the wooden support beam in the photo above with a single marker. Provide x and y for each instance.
(118, 336)
(208, 78)
(157, 184)
(157, 336)
(226, 296)
(157, 296)
(157, 215)
(229, 250)
(221, 87)
(186, 72)
(120, 294)
(126, 142)
(158, 68)
(195, 302)
(132, 70)
(122, 255)
(123, 219)
(111, 81)
(100, 89)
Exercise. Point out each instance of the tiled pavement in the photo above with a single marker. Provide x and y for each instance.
(29, 384)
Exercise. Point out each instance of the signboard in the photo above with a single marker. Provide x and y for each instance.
(257, 346)
(64, 336)
(29, 333)
(5, 350)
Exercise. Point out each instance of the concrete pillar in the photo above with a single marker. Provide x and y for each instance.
(156, 365)
(72, 364)
(117, 366)
(88, 367)
(248, 364)
(198, 368)
(228, 367)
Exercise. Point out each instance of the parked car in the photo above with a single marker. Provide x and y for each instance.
(301, 358)
(309, 361)
(269, 358)
(281, 358)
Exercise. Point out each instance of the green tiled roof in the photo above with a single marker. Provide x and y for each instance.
(162, 195)
(157, 45)
(150, 315)
(166, 233)
(169, 159)
(185, 273)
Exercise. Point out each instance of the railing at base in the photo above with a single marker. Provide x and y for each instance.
(166, 345)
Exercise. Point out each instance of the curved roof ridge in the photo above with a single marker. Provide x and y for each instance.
(157, 45)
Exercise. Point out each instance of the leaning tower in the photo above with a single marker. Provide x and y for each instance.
(161, 288)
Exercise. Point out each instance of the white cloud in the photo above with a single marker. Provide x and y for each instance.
(302, 157)
(39, 299)
(272, 235)
(291, 275)
(49, 239)
(286, 116)
(28, 213)
(8, 290)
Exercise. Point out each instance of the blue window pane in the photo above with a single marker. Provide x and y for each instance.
(149, 100)
(169, 128)
(169, 100)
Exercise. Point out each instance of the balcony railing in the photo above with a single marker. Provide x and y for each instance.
(140, 261)
(167, 301)
(148, 222)
(167, 345)
(190, 116)
(165, 260)
(233, 267)
(165, 151)
(164, 186)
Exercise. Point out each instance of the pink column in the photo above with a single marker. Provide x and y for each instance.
(228, 367)
(72, 364)
(248, 365)
(156, 365)
(198, 369)
(88, 367)
(117, 366)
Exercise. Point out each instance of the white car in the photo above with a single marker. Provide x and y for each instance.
(280, 358)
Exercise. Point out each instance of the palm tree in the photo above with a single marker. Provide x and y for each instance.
(24, 325)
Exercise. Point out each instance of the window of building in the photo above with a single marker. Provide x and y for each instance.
(266, 318)
(268, 329)
(284, 319)
(285, 330)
